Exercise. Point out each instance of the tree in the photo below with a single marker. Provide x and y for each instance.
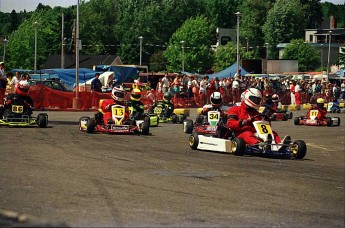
(226, 55)
(313, 12)
(285, 21)
(157, 62)
(308, 58)
(342, 56)
(197, 33)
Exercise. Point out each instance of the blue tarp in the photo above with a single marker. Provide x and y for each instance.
(122, 73)
(228, 72)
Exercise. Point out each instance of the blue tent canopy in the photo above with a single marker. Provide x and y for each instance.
(122, 73)
(228, 72)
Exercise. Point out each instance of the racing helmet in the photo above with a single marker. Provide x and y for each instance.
(22, 88)
(242, 95)
(135, 95)
(216, 99)
(275, 98)
(118, 93)
(167, 96)
(252, 98)
(320, 102)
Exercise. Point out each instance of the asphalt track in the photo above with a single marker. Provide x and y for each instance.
(59, 174)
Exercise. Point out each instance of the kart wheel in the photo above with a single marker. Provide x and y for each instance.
(188, 126)
(329, 121)
(238, 146)
(338, 110)
(145, 128)
(147, 119)
(285, 117)
(174, 118)
(273, 117)
(298, 149)
(90, 125)
(194, 140)
(337, 123)
(290, 114)
(296, 121)
(42, 120)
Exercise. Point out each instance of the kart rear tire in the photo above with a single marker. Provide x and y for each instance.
(90, 125)
(299, 149)
(174, 118)
(338, 121)
(42, 120)
(194, 140)
(285, 117)
(273, 117)
(296, 121)
(145, 128)
(147, 119)
(329, 122)
(83, 118)
(188, 126)
(238, 146)
(290, 115)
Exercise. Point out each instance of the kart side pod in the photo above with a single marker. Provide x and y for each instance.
(202, 142)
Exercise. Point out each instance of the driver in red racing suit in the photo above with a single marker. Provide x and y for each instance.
(240, 118)
(319, 107)
(118, 94)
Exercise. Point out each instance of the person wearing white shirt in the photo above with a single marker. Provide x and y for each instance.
(165, 84)
(342, 89)
(298, 90)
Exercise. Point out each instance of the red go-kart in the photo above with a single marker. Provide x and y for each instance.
(202, 125)
(121, 125)
(314, 121)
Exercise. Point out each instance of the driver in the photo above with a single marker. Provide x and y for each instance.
(137, 106)
(118, 94)
(20, 97)
(240, 118)
(168, 106)
(320, 106)
(216, 101)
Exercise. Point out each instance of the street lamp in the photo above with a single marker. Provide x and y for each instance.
(141, 47)
(321, 56)
(35, 63)
(238, 15)
(182, 43)
(267, 44)
(329, 50)
(5, 41)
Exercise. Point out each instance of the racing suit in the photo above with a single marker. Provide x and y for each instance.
(137, 110)
(245, 131)
(321, 115)
(107, 112)
(167, 108)
(16, 99)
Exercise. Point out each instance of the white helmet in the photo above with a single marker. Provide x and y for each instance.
(275, 98)
(118, 93)
(216, 99)
(252, 98)
(242, 95)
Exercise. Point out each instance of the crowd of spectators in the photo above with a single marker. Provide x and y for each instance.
(195, 90)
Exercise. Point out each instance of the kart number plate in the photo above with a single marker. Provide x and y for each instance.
(265, 129)
(213, 117)
(17, 109)
(119, 128)
(118, 113)
(313, 113)
(157, 110)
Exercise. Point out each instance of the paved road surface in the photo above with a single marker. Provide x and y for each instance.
(61, 174)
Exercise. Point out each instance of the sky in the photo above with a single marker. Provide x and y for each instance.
(7, 6)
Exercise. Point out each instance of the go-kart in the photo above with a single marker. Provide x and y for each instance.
(19, 116)
(277, 115)
(121, 125)
(178, 115)
(313, 121)
(333, 107)
(203, 125)
(237, 146)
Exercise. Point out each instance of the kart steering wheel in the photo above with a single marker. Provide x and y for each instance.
(264, 117)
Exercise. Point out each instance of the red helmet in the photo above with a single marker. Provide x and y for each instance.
(22, 88)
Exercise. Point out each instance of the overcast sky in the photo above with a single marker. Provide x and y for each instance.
(30, 5)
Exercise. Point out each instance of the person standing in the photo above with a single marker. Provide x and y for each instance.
(342, 88)
(96, 84)
(3, 82)
(15, 80)
(165, 83)
(298, 90)
(292, 92)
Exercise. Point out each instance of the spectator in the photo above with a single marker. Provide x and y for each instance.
(15, 80)
(96, 84)
(165, 83)
(3, 82)
(298, 90)
(292, 92)
(235, 90)
(159, 85)
(342, 88)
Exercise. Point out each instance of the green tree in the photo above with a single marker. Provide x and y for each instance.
(342, 56)
(221, 12)
(157, 62)
(285, 21)
(197, 33)
(313, 12)
(226, 55)
(308, 58)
